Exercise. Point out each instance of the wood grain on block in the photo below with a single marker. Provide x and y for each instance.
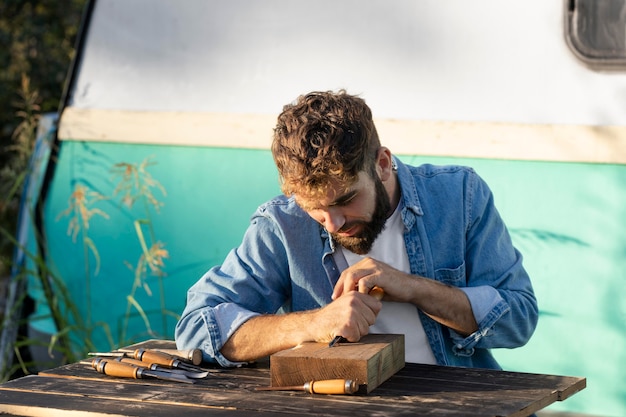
(369, 362)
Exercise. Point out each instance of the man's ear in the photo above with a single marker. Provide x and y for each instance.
(384, 163)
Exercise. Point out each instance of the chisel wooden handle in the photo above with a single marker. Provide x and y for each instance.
(152, 356)
(377, 292)
(192, 355)
(117, 369)
(134, 362)
(328, 386)
(331, 386)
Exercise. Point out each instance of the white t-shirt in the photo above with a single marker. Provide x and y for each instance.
(395, 318)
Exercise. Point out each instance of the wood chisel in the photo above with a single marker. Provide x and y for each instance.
(161, 358)
(193, 356)
(156, 367)
(123, 370)
(329, 386)
(151, 356)
(375, 292)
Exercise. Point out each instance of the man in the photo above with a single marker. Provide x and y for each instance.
(353, 217)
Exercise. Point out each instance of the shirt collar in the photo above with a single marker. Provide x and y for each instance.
(409, 198)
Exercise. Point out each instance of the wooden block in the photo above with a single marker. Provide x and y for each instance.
(369, 362)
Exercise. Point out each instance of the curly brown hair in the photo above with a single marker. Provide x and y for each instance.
(323, 137)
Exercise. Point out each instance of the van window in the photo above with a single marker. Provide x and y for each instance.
(596, 32)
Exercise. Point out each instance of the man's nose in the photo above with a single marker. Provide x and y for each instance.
(333, 220)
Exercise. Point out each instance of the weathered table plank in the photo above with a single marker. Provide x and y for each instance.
(71, 401)
(415, 390)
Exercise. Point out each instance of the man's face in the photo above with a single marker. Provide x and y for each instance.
(354, 217)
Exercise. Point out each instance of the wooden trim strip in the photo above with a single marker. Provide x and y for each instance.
(514, 141)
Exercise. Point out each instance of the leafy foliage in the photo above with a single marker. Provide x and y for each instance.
(36, 48)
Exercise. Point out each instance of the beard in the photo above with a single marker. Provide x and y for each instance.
(362, 243)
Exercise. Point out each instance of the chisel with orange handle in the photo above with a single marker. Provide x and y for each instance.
(194, 356)
(375, 292)
(156, 367)
(161, 358)
(152, 356)
(329, 386)
(124, 370)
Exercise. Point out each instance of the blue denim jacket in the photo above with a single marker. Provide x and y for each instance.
(453, 234)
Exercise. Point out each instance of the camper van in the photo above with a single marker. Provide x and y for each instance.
(149, 173)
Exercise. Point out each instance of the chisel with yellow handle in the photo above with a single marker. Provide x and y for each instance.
(151, 356)
(157, 367)
(377, 292)
(328, 386)
(193, 356)
(161, 358)
(124, 370)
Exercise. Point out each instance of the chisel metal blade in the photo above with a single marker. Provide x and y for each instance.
(116, 354)
(166, 376)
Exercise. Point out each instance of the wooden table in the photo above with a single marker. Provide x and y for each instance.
(424, 390)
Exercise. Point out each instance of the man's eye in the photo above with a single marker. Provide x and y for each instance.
(345, 201)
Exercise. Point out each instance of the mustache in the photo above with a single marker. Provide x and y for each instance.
(350, 225)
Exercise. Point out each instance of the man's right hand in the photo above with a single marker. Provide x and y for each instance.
(349, 316)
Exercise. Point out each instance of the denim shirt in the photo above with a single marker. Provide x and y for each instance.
(453, 234)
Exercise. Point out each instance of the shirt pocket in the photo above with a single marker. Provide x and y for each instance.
(452, 276)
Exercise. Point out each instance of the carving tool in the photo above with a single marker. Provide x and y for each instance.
(193, 356)
(151, 356)
(124, 370)
(329, 386)
(337, 339)
(375, 292)
(156, 367)
(161, 358)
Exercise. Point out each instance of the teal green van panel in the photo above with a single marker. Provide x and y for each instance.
(207, 199)
(567, 219)
(569, 222)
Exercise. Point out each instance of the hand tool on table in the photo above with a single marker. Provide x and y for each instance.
(157, 367)
(151, 356)
(375, 292)
(125, 370)
(193, 356)
(329, 386)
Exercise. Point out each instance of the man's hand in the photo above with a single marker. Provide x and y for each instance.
(444, 304)
(368, 273)
(349, 316)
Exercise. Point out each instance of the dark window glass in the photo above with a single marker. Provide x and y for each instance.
(596, 32)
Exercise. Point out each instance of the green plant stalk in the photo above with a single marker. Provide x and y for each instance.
(45, 276)
(141, 267)
(87, 246)
(162, 302)
(62, 309)
(87, 276)
(136, 183)
(143, 315)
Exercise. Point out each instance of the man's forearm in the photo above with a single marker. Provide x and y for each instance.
(445, 304)
(261, 336)
(264, 335)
